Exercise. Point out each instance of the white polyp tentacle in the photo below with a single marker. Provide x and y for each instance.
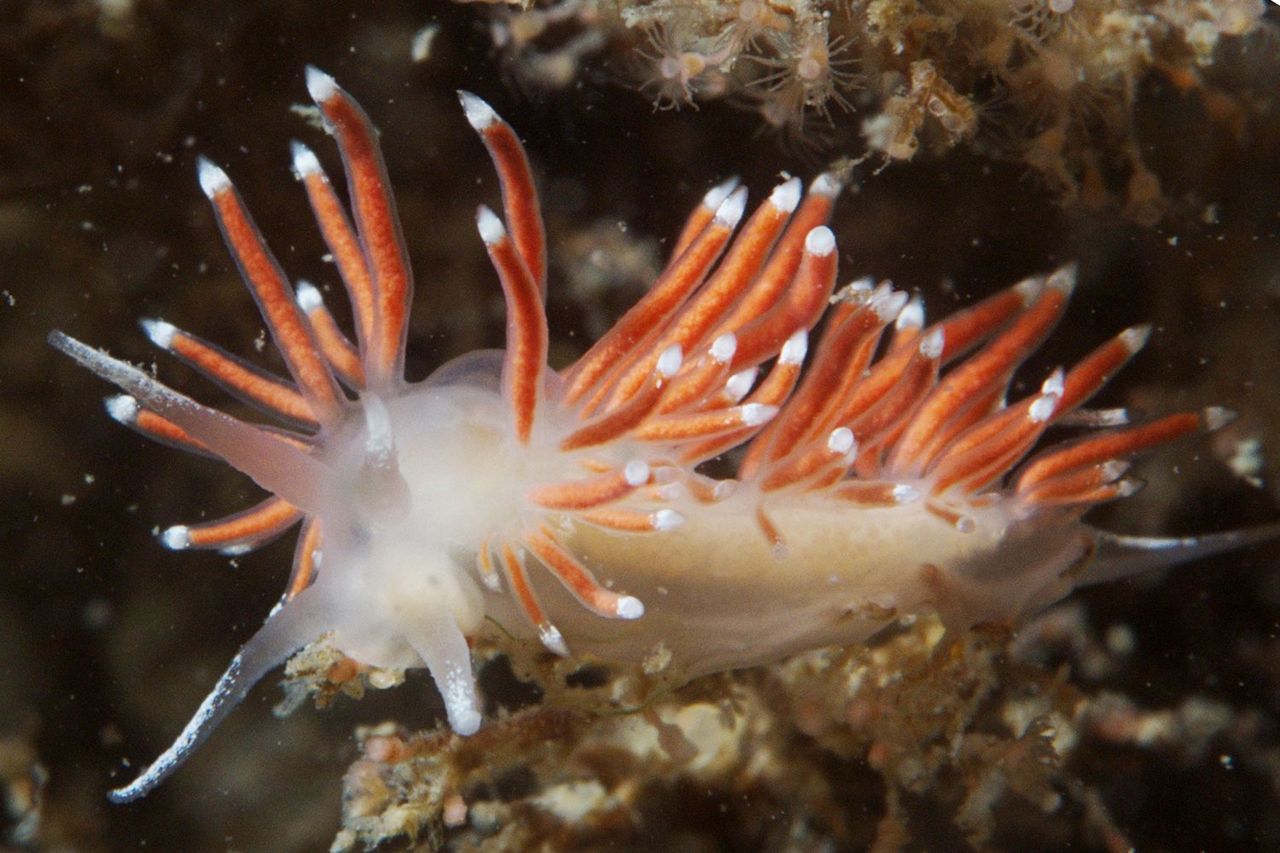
(286, 630)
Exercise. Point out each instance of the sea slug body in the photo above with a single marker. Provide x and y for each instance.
(881, 471)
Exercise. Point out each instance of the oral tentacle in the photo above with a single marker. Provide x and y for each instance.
(285, 631)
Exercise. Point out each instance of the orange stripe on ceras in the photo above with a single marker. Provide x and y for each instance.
(1089, 484)
(780, 436)
(677, 428)
(582, 494)
(337, 349)
(288, 327)
(965, 328)
(519, 580)
(526, 354)
(667, 294)
(846, 324)
(878, 426)
(1099, 366)
(379, 230)
(702, 379)
(701, 216)
(801, 464)
(707, 307)
(800, 307)
(773, 390)
(779, 270)
(606, 427)
(264, 390)
(1099, 448)
(864, 493)
(340, 237)
(990, 459)
(624, 520)
(972, 380)
(960, 331)
(844, 399)
(304, 558)
(697, 222)
(160, 428)
(575, 576)
(519, 199)
(270, 517)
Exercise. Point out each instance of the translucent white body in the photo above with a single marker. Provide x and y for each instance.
(718, 593)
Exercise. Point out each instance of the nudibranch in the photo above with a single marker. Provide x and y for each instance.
(889, 476)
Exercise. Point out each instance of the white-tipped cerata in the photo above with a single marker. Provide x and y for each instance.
(906, 494)
(636, 472)
(1098, 418)
(1055, 383)
(491, 228)
(273, 463)
(212, 179)
(122, 408)
(666, 519)
(912, 316)
(754, 414)
(857, 292)
(786, 196)
(1114, 469)
(479, 114)
(160, 332)
(933, 344)
(670, 360)
(723, 348)
(309, 298)
(888, 303)
(1063, 279)
(176, 538)
(740, 383)
(1216, 417)
(1136, 337)
(840, 441)
(1029, 289)
(305, 161)
(795, 349)
(629, 607)
(320, 86)
(826, 184)
(729, 213)
(553, 640)
(1042, 409)
(1128, 488)
(820, 241)
(715, 196)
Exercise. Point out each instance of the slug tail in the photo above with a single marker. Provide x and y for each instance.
(286, 630)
